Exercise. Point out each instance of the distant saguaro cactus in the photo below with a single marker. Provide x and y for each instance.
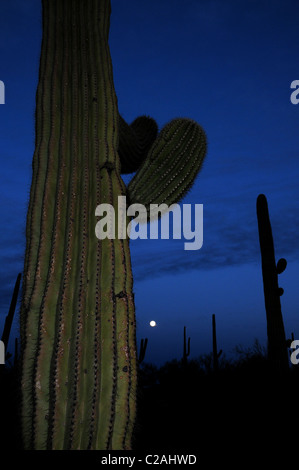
(216, 353)
(11, 312)
(186, 349)
(277, 345)
(143, 346)
(78, 339)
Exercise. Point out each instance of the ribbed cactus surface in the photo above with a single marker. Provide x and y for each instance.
(171, 166)
(78, 340)
(78, 324)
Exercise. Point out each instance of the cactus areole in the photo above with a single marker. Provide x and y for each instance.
(78, 344)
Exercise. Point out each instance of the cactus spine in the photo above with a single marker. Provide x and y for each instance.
(78, 341)
(277, 345)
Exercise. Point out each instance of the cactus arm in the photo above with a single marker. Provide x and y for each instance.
(135, 141)
(171, 166)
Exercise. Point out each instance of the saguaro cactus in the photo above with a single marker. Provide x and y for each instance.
(143, 346)
(186, 348)
(11, 312)
(78, 342)
(277, 345)
(216, 354)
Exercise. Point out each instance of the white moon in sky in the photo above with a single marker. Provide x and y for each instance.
(153, 323)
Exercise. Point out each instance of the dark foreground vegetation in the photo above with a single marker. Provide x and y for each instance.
(187, 407)
(210, 405)
(245, 405)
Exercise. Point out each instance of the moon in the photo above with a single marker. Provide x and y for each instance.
(153, 323)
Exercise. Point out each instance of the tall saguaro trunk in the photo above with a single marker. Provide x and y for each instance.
(277, 344)
(77, 314)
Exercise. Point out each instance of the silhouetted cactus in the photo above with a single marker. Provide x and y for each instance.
(135, 140)
(277, 345)
(11, 312)
(143, 346)
(78, 341)
(186, 349)
(16, 356)
(216, 354)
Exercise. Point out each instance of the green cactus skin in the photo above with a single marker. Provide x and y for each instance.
(171, 166)
(277, 345)
(77, 319)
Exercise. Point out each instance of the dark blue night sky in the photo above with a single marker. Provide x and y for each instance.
(229, 66)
